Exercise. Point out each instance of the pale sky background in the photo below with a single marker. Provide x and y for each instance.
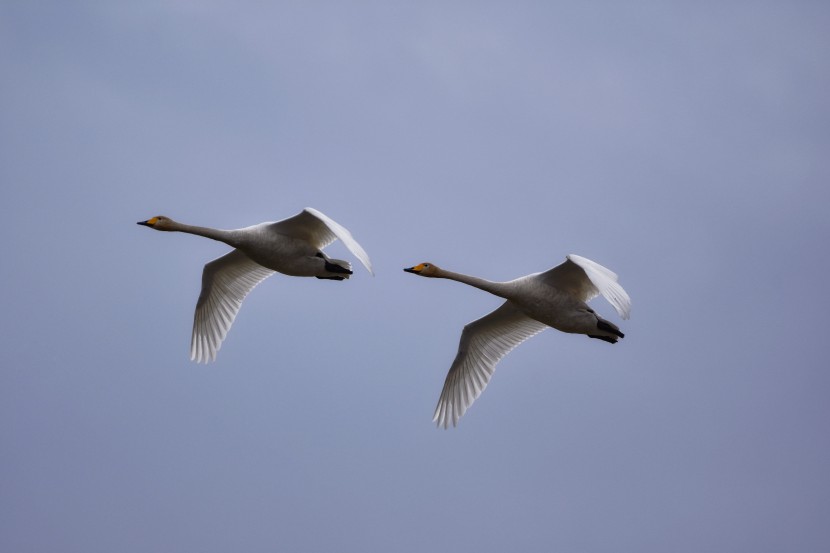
(684, 145)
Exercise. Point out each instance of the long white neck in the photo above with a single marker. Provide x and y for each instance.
(501, 289)
(227, 236)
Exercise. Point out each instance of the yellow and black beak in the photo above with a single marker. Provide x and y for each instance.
(416, 269)
(149, 222)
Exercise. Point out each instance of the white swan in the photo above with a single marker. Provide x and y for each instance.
(555, 298)
(291, 246)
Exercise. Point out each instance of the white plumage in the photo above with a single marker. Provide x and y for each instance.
(292, 246)
(555, 298)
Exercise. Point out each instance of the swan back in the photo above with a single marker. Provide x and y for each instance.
(320, 230)
(585, 279)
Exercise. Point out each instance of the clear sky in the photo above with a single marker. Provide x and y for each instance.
(684, 145)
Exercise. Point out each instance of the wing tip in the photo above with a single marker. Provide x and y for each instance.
(611, 289)
(345, 236)
(443, 416)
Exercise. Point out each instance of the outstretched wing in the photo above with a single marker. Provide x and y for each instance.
(320, 231)
(483, 343)
(225, 283)
(585, 279)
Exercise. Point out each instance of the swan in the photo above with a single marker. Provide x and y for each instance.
(555, 298)
(291, 246)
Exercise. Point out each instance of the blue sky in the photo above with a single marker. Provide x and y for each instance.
(682, 145)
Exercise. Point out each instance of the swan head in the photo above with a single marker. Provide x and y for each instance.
(160, 222)
(424, 269)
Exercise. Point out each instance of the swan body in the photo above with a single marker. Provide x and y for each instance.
(555, 298)
(292, 246)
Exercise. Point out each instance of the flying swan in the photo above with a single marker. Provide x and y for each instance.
(555, 298)
(291, 246)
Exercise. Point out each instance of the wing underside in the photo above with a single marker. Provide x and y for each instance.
(225, 283)
(483, 343)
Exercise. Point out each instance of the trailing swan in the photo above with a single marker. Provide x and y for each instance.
(555, 298)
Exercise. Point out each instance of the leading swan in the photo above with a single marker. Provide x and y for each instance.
(292, 246)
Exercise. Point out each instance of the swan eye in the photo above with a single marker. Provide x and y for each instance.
(426, 265)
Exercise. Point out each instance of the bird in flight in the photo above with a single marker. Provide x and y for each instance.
(556, 298)
(292, 246)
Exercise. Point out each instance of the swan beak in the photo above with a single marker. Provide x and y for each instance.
(411, 270)
(143, 223)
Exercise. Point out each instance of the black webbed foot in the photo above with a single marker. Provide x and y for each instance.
(609, 339)
(608, 327)
(332, 268)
